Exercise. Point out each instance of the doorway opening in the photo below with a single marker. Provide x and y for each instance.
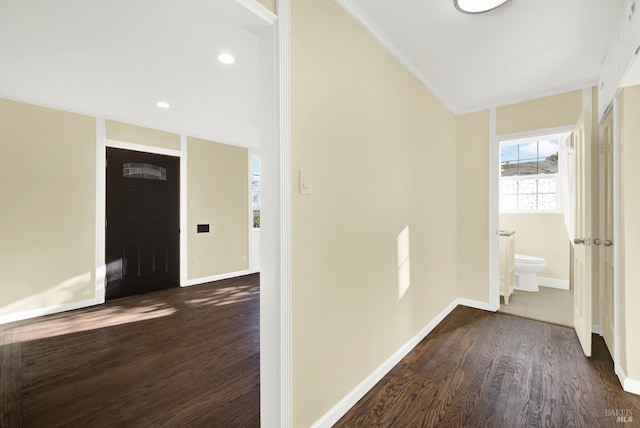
(142, 222)
(535, 189)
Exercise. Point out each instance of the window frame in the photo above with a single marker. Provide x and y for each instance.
(253, 192)
(536, 138)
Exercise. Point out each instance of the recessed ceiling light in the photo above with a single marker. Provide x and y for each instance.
(226, 58)
(163, 104)
(477, 6)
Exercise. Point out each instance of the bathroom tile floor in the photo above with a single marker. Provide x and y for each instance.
(549, 304)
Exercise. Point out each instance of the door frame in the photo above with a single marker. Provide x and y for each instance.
(614, 108)
(102, 142)
(494, 199)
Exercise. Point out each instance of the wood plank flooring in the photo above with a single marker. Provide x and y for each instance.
(483, 369)
(179, 357)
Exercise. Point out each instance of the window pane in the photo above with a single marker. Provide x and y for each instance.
(527, 186)
(509, 187)
(255, 183)
(527, 202)
(547, 148)
(547, 185)
(509, 153)
(509, 202)
(509, 168)
(255, 165)
(528, 167)
(528, 151)
(255, 203)
(144, 170)
(547, 202)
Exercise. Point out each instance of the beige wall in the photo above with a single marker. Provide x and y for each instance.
(630, 231)
(48, 210)
(217, 195)
(47, 207)
(381, 151)
(138, 135)
(269, 4)
(541, 235)
(473, 213)
(548, 112)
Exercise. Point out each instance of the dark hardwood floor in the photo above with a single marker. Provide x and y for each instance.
(190, 357)
(483, 369)
(178, 357)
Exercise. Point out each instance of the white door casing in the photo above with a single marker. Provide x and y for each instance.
(607, 235)
(582, 243)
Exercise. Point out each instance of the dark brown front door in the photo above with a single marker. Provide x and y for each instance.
(142, 222)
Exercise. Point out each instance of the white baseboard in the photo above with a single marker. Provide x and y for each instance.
(562, 284)
(629, 385)
(597, 329)
(473, 304)
(343, 406)
(33, 313)
(197, 281)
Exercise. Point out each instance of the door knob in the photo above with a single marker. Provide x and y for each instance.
(596, 241)
(608, 242)
(578, 241)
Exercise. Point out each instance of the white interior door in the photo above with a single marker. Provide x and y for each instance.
(607, 234)
(582, 241)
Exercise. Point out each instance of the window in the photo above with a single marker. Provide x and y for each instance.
(529, 175)
(255, 190)
(144, 170)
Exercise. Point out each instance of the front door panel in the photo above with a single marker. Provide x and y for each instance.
(142, 222)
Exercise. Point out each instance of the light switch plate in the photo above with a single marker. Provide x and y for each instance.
(305, 182)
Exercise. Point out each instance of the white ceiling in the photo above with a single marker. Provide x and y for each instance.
(117, 58)
(522, 50)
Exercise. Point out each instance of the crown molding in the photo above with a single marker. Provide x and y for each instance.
(259, 10)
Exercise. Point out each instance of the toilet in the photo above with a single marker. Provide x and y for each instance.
(526, 268)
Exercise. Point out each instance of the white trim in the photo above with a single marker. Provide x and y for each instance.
(284, 174)
(143, 148)
(338, 410)
(101, 185)
(601, 225)
(361, 19)
(260, 11)
(494, 215)
(183, 210)
(629, 385)
(597, 329)
(527, 135)
(476, 304)
(212, 278)
(562, 284)
(616, 231)
(38, 312)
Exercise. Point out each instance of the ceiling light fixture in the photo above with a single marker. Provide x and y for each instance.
(477, 6)
(163, 104)
(226, 58)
